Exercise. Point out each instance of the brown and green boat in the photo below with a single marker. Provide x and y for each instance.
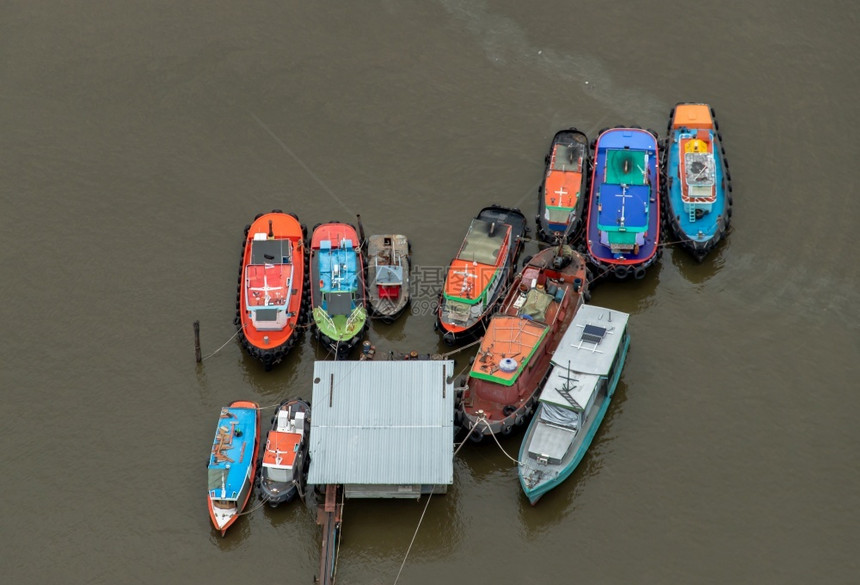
(501, 389)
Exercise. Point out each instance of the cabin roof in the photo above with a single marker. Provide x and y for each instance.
(603, 329)
(382, 423)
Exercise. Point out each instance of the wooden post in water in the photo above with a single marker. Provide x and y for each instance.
(197, 341)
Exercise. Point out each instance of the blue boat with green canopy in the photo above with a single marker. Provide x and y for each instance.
(623, 228)
(337, 287)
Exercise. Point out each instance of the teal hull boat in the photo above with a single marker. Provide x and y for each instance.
(574, 399)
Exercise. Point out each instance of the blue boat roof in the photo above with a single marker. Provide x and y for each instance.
(232, 452)
(338, 267)
(627, 137)
(624, 207)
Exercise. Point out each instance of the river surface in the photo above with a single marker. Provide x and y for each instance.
(139, 138)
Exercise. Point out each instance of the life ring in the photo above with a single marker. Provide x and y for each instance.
(639, 273)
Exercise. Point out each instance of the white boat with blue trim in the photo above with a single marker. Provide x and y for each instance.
(574, 399)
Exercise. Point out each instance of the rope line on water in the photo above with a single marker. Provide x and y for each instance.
(421, 519)
(257, 507)
(492, 434)
(222, 347)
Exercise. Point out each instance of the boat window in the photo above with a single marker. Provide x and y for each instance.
(279, 475)
(458, 311)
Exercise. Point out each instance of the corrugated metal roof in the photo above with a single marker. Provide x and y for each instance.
(382, 423)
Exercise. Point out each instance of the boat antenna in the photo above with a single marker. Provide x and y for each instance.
(271, 233)
(363, 243)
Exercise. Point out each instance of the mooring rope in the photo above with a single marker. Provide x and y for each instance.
(421, 519)
(222, 347)
(257, 507)
(492, 434)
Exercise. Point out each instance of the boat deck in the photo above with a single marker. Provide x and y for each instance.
(624, 211)
(232, 452)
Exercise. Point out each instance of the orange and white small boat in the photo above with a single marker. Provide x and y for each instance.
(232, 463)
(561, 197)
(284, 469)
(478, 276)
(272, 283)
(514, 358)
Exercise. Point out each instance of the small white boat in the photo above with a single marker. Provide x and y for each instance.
(585, 370)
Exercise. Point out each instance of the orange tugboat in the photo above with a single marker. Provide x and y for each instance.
(565, 186)
(271, 286)
(501, 390)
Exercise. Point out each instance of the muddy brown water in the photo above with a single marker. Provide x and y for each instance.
(139, 138)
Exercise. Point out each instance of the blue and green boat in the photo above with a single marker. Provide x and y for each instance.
(337, 287)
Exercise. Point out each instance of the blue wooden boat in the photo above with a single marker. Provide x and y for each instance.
(698, 200)
(574, 399)
(623, 229)
(233, 462)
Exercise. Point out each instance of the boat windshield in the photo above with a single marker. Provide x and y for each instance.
(457, 311)
(279, 475)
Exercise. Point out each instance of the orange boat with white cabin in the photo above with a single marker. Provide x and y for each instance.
(284, 468)
(272, 284)
(514, 358)
(478, 276)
